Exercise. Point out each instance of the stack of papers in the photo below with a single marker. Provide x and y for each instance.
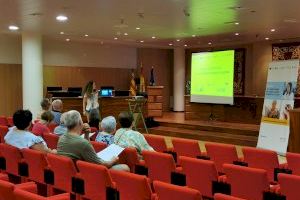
(110, 152)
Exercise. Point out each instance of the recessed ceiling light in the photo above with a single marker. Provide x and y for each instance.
(209, 43)
(142, 41)
(137, 28)
(178, 40)
(153, 37)
(273, 30)
(125, 33)
(86, 35)
(13, 28)
(170, 44)
(62, 32)
(115, 38)
(193, 35)
(236, 34)
(267, 38)
(61, 18)
(236, 23)
(185, 45)
(68, 39)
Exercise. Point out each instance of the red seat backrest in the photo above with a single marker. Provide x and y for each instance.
(221, 153)
(293, 161)
(64, 169)
(199, 174)
(160, 165)
(24, 195)
(96, 180)
(219, 196)
(186, 147)
(3, 121)
(262, 159)
(246, 182)
(94, 130)
(166, 191)
(158, 143)
(130, 157)
(51, 140)
(6, 190)
(10, 121)
(37, 162)
(131, 186)
(3, 131)
(12, 156)
(98, 146)
(289, 186)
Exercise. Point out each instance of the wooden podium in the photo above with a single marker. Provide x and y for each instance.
(294, 138)
(155, 101)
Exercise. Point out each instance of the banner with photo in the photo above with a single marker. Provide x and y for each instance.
(279, 99)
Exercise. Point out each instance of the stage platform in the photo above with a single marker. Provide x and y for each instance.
(173, 124)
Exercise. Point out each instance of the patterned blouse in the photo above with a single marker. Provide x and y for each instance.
(105, 137)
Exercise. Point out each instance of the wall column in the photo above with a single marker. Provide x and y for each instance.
(179, 79)
(32, 71)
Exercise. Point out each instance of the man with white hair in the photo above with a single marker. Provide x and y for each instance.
(57, 107)
(72, 145)
(108, 129)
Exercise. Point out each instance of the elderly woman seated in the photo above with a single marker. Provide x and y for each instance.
(57, 108)
(19, 136)
(61, 128)
(45, 104)
(108, 129)
(41, 127)
(126, 137)
(78, 148)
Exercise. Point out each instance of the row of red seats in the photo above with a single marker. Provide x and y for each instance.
(6, 121)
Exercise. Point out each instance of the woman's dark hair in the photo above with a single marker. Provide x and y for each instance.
(47, 116)
(286, 90)
(94, 118)
(45, 104)
(22, 119)
(125, 119)
(88, 90)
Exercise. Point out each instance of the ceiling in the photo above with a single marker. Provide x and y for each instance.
(167, 20)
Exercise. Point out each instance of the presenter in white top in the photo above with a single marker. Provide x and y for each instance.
(90, 98)
(288, 91)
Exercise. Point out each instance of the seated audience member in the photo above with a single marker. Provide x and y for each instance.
(45, 104)
(126, 137)
(19, 136)
(61, 128)
(78, 148)
(94, 118)
(108, 129)
(57, 107)
(41, 127)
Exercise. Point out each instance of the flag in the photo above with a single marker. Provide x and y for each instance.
(152, 81)
(142, 81)
(132, 85)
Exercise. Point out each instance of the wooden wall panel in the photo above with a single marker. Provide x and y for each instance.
(10, 88)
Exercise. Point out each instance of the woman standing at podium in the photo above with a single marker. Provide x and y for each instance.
(90, 98)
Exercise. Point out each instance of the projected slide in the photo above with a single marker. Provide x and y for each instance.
(212, 77)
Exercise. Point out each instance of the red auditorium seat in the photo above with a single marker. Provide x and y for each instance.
(98, 146)
(3, 121)
(51, 140)
(36, 162)
(261, 159)
(246, 182)
(186, 147)
(157, 142)
(10, 121)
(96, 180)
(64, 169)
(219, 196)
(289, 186)
(93, 130)
(293, 161)
(24, 195)
(130, 157)
(7, 189)
(199, 174)
(160, 165)
(3, 131)
(132, 186)
(12, 157)
(221, 153)
(166, 191)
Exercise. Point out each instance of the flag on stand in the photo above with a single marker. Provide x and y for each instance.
(142, 80)
(132, 85)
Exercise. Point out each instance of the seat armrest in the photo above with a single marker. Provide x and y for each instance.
(28, 186)
(64, 196)
(154, 197)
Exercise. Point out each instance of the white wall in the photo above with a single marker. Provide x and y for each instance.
(74, 54)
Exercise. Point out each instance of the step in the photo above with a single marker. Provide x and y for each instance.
(229, 138)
